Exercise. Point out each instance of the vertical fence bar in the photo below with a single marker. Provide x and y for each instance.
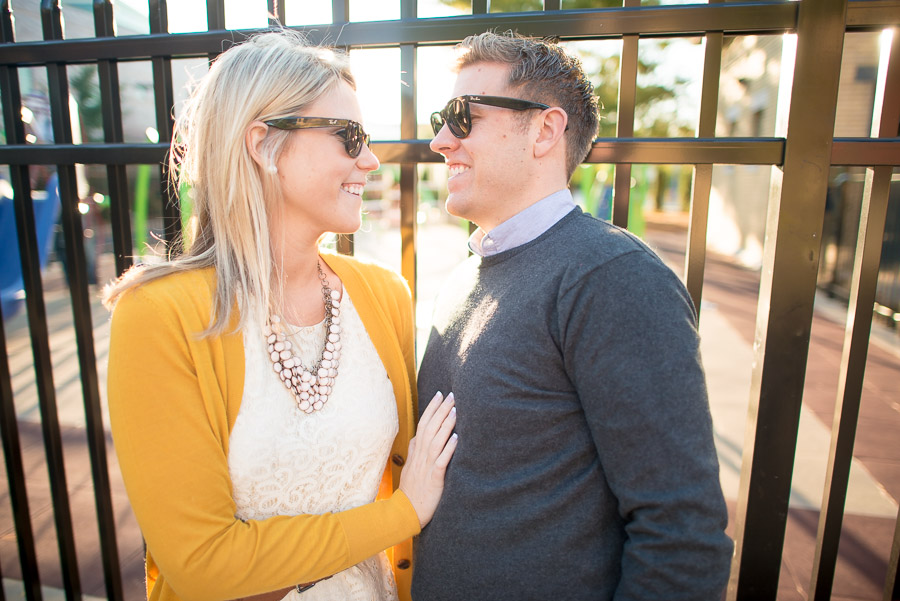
(481, 7)
(892, 582)
(116, 176)
(340, 11)
(164, 98)
(787, 291)
(12, 450)
(628, 67)
(552, 5)
(886, 117)
(276, 12)
(51, 18)
(409, 175)
(215, 14)
(104, 26)
(695, 257)
(76, 273)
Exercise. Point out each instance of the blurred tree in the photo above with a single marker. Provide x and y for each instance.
(86, 90)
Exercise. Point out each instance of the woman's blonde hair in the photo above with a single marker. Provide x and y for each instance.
(271, 75)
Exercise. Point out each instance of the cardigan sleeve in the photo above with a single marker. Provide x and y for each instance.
(167, 402)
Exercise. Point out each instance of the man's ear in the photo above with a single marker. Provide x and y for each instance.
(253, 139)
(552, 127)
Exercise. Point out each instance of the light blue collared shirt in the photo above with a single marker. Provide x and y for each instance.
(524, 226)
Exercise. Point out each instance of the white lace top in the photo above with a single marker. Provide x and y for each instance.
(285, 462)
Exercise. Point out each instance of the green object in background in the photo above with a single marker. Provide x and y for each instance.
(637, 225)
(141, 192)
(187, 207)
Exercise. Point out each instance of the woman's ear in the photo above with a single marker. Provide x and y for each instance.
(552, 127)
(253, 139)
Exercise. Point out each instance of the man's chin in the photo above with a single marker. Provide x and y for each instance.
(457, 207)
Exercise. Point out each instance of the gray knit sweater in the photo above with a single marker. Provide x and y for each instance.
(585, 467)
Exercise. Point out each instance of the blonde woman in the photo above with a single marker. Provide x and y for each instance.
(262, 393)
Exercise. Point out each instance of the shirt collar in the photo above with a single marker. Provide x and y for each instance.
(524, 226)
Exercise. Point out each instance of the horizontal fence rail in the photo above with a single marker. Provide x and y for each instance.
(799, 154)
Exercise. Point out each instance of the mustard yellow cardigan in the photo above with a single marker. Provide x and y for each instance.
(173, 399)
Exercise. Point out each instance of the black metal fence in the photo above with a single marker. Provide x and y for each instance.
(800, 154)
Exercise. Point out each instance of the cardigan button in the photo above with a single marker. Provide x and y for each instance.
(398, 460)
(403, 564)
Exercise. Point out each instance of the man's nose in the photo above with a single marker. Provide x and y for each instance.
(443, 141)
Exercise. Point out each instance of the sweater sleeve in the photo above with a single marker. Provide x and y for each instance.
(168, 417)
(631, 348)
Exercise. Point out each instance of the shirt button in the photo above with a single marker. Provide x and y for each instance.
(398, 460)
(403, 564)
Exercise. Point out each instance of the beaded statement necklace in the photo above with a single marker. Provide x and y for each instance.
(310, 387)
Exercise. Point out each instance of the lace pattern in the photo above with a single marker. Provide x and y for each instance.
(285, 462)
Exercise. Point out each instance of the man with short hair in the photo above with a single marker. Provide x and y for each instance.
(585, 467)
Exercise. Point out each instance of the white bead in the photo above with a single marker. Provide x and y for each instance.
(285, 354)
(332, 372)
(304, 405)
(304, 385)
(303, 394)
(267, 330)
(336, 304)
(317, 405)
(326, 363)
(306, 376)
(277, 367)
(334, 338)
(327, 355)
(289, 362)
(287, 345)
(336, 312)
(329, 346)
(335, 364)
(335, 329)
(271, 338)
(271, 347)
(322, 381)
(287, 384)
(323, 399)
(338, 345)
(279, 346)
(275, 356)
(336, 319)
(335, 294)
(322, 372)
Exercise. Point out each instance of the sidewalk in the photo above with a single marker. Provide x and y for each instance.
(727, 324)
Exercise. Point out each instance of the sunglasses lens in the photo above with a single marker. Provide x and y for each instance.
(437, 122)
(355, 139)
(457, 115)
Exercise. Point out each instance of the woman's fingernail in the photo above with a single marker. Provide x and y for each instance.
(453, 411)
(450, 397)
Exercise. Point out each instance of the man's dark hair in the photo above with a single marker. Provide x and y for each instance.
(542, 72)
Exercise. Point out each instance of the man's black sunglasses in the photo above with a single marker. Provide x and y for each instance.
(351, 132)
(457, 117)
